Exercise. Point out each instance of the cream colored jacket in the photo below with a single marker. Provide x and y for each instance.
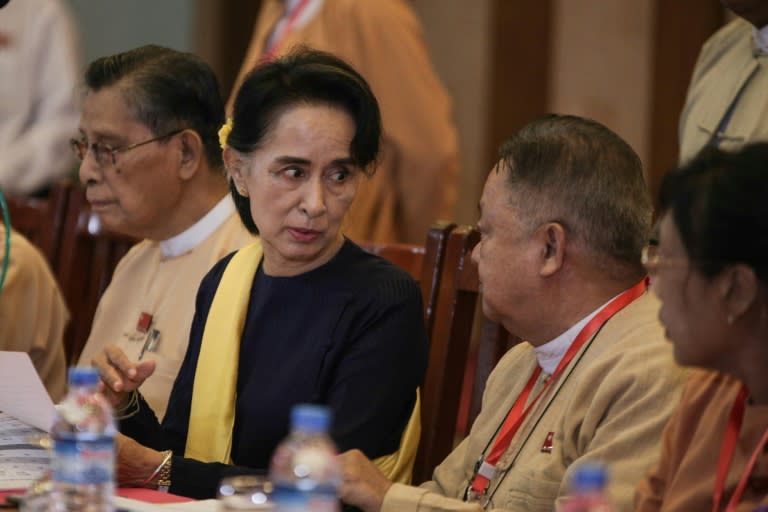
(147, 281)
(611, 407)
(33, 314)
(728, 62)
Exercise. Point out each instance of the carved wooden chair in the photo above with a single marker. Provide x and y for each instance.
(457, 369)
(41, 220)
(423, 262)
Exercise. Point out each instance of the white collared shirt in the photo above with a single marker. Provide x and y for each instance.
(551, 353)
(199, 231)
(761, 37)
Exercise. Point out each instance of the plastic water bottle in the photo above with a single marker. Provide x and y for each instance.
(588, 490)
(304, 471)
(83, 435)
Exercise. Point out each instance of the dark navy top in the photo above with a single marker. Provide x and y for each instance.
(349, 334)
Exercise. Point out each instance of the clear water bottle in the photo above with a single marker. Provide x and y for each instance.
(304, 471)
(588, 491)
(83, 436)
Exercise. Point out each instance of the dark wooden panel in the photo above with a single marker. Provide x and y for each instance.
(520, 61)
(681, 27)
(223, 32)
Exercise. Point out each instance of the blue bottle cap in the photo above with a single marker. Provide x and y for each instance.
(589, 477)
(82, 376)
(310, 418)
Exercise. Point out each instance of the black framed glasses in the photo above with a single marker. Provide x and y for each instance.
(103, 154)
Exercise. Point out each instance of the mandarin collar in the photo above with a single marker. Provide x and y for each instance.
(199, 231)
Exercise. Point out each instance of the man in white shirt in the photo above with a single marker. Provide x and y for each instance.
(38, 112)
(152, 168)
(564, 217)
(727, 100)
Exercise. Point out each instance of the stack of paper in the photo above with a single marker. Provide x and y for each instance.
(22, 459)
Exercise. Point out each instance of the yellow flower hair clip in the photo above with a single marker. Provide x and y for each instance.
(224, 132)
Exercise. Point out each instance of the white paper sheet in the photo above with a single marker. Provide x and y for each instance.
(126, 504)
(22, 459)
(22, 394)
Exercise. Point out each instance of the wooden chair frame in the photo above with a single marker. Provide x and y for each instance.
(41, 220)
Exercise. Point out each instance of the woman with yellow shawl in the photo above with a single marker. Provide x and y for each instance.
(303, 315)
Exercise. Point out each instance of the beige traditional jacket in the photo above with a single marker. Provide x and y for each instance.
(610, 404)
(729, 62)
(147, 280)
(33, 314)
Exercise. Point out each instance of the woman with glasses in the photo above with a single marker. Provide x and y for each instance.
(711, 272)
(302, 316)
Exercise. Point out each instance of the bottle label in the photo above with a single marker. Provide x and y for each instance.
(290, 498)
(83, 460)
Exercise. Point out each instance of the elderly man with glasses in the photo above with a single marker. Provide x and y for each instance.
(152, 169)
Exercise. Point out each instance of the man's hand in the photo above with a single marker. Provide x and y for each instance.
(135, 462)
(119, 375)
(362, 484)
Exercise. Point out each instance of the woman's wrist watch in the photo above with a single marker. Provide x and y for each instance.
(162, 472)
(164, 478)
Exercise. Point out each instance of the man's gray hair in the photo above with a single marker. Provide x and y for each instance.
(578, 172)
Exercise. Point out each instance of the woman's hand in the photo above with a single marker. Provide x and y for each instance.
(135, 462)
(362, 484)
(120, 375)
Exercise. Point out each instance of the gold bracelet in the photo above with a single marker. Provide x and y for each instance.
(167, 455)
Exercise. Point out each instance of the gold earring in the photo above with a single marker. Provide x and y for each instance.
(242, 192)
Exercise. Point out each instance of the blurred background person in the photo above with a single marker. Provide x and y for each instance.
(303, 315)
(711, 274)
(727, 100)
(33, 314)
(152, 169)
(39, 64)
(416, 181)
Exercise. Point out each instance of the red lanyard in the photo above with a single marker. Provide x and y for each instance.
(269, 53)
(519, 412)
(730, 440)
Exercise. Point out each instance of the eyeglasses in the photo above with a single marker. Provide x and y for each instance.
(105, 154)
(652, 259)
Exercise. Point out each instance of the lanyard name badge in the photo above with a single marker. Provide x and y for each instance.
(277, 39)
(730, 440)
(486, 468)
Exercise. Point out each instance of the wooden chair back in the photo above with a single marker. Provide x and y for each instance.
(457, 369)
(89, 254)
(449, 346)
(41, 220)
(423, 263)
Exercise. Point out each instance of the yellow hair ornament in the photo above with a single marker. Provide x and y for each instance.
(224, 132)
